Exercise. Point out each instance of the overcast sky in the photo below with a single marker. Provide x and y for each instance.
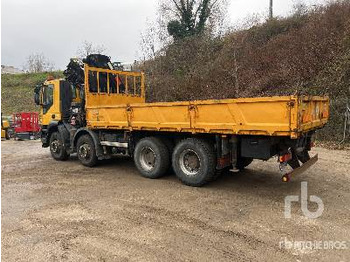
(58, 27)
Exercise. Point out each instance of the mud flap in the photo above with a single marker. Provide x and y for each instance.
(301, 169)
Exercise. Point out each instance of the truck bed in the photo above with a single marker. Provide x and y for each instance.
(269, 116)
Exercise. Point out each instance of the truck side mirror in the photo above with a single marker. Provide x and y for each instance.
(37, 99)
(37, 92)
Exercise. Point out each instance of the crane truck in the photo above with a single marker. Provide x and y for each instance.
(99, 111)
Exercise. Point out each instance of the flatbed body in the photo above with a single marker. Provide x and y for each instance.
(270, 116)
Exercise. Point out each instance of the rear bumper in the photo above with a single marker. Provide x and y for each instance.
(301, 169)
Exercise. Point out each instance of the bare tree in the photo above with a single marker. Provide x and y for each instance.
(300, 8)
(148, 42)
(88, 48)
(37, 62)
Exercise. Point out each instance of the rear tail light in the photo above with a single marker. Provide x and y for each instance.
(285, 158)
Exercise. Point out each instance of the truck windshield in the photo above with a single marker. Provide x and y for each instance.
(47, 97)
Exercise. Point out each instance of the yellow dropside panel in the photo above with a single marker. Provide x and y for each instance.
(115, 118)
(264, 117)
(161, 117)
(259, 116)
(313, 112)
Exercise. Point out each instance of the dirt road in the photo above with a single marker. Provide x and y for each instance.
(63, 211)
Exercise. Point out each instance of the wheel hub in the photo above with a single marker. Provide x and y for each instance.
(148, 158)
(55, 146)
(84, 151)
(190, 162)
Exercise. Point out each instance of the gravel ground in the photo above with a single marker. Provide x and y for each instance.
(63, 211)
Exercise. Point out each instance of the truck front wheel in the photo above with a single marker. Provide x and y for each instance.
(194, 162)
(151, 157)
(57, 149)
(86, 151)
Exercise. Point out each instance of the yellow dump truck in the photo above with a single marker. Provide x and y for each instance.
(107, 115)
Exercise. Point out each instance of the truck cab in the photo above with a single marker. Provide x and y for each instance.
(57, 98)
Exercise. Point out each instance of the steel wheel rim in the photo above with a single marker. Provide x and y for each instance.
(55, 146)
(148, 158)
(190, 162)
(84, 151)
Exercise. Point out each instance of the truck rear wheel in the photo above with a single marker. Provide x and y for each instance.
(194, 162)
(86, 151)
(304, 156)
(57, 150)
(151, 157)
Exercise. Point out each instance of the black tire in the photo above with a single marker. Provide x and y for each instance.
(86, 151)
(7, 136)
(170, 145)
(57, 149)
(194, 162)
(243, 162)
(304, 156)
(294, 163)
(151, 157)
